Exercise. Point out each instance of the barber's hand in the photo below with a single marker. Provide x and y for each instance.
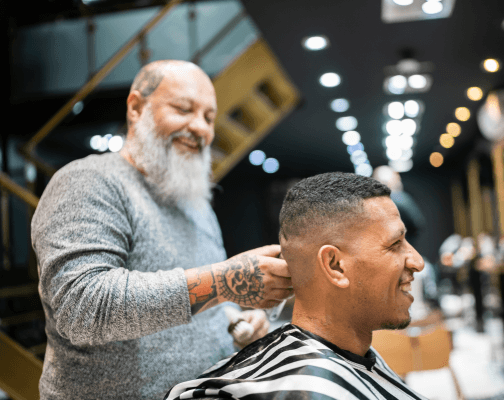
(256, 278)
(260, 323)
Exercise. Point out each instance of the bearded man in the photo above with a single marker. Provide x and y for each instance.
(129, 251)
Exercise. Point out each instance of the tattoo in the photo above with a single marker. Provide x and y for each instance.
(202, 290)
(242, 282)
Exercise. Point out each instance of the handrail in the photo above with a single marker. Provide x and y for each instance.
(18, 191)
(96, 79)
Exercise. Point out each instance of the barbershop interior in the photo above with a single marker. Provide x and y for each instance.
(409, 92)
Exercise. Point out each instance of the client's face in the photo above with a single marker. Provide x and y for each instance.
(383, 267)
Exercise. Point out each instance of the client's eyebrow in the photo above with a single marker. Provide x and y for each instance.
(399, 234)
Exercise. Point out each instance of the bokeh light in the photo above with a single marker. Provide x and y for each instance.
(340, 105)
(417, 81)
(462, 114)
(491, 65)
(403, 2)
(432, 7)
(315, 43)
(446, 140)
(330, 79)
(436, 159)
(394, 153)
(364, 170)
(358, 157)
(351, 137)
(408, 127)
(115, 143)
(411, 108)
(346, 123)
(453, 129)
(257, 157)
(395, 110)
(355, 147)
(474, 93)
(394, 127)
(397, 84)
(271, 165)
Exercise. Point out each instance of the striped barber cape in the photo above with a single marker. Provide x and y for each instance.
(292, 363)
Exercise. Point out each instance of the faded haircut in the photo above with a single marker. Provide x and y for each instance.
(332, 196)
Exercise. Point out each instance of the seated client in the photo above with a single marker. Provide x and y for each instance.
(351, 268)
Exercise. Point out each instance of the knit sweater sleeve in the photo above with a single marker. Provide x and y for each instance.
(82, 232)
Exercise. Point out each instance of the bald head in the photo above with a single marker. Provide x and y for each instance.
(150, 76)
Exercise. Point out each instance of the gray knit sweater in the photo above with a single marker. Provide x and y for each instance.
(111, 260)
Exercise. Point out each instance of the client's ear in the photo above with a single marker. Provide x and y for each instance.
(329, 259)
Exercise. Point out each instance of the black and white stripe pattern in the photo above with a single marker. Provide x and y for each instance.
(292, 363)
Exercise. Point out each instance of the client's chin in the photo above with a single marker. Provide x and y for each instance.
(396, 326)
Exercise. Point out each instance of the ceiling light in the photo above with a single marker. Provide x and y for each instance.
(474, 93)
(406, 154)
(271, 165)
(346, 123)
(408, 126)
(396, 110)
(491, 65)
(392, 142)
(394, 153)
(78, 107)
(417, 81)
(115, 143)
(95, 142)
(397, 84)
(355, 147)
(411, 108)
(364, 170)
(257, 157)
(394, 127)
(405, 142)
(401, 165)
(358, 157)
(315, 43)
(403, 2)
(453, 129)
(432, 7)
(330, 79)
(436, 159)
(446, 140)
(340, 105)
(462, 114)
(351, 137)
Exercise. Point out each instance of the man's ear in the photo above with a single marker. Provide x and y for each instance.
(134, 104)
(330, 260)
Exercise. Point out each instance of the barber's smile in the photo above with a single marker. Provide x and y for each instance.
(190, 145)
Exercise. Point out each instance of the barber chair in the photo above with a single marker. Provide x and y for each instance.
(406, 353)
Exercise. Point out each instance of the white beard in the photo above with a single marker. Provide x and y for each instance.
(173, 176)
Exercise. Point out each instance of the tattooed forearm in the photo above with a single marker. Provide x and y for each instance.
(241, 281)
(202, 289)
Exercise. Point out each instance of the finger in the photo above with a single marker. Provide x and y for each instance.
(274, 266)
(279, 282)
(272, 250)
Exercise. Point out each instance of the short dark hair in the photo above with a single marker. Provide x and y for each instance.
(313, 200)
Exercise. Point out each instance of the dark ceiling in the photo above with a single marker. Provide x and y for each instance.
(361, 47)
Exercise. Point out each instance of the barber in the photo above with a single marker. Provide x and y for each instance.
(133, 273)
